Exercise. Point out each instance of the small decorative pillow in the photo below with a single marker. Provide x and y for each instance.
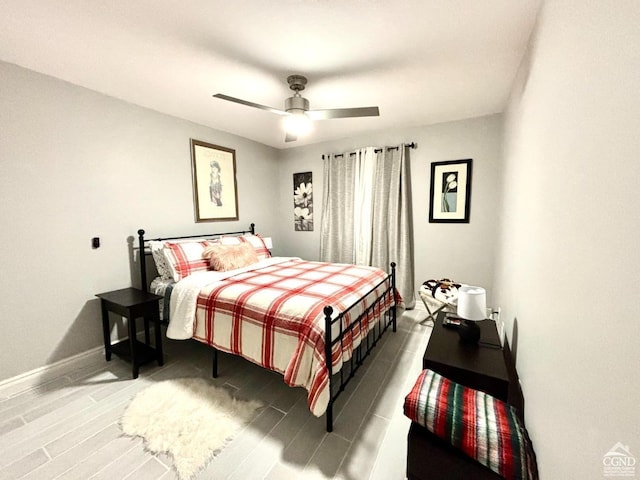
(483, 427)
(185, 258)
(157, 252)
(223, 258)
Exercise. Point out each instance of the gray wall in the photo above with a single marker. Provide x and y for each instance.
(463, 252)
(568, 261)
(75, 164)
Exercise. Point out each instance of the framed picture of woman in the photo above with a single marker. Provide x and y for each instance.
(215, 190)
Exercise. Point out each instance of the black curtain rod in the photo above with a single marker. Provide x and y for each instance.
(377, 150)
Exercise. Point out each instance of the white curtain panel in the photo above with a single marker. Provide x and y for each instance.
(365, 171)
(367, 213)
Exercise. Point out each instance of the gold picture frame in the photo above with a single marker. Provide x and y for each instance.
(215, 189)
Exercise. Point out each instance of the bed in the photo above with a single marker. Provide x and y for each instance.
(313, 322)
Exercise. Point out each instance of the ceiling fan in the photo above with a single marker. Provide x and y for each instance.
(296, 109)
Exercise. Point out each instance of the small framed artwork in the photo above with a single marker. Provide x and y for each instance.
(303, 202)
(215, 190)
(450, 191)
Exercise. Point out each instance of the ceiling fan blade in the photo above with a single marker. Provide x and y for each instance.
(343, 113)
(249, 104)
(290, 138)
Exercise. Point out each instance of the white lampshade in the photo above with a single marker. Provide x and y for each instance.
(472, 303)
(297, 124)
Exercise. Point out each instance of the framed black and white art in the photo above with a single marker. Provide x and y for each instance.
(215, 189)
(303, 201)
(450, 191)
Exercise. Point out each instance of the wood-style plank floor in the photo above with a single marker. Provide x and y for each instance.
(67, 428)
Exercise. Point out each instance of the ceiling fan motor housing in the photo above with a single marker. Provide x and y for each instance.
(296, 104)
(297, 82)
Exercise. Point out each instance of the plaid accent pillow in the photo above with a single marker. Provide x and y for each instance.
(185, 258)
(485, 428)
(257, 242)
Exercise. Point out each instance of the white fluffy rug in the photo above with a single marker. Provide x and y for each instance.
(188, 418)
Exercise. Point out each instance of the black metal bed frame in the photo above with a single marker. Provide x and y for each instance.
(358, 354)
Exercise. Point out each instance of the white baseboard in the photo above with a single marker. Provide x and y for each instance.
(32, 379)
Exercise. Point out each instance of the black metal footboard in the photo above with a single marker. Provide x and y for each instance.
(358, 355)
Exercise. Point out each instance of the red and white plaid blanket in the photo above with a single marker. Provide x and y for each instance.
(274, 317)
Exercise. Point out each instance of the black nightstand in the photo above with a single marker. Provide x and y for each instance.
(487, 367)
(482, 367)
(132, 303)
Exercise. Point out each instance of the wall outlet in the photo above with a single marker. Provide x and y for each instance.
(494, 315)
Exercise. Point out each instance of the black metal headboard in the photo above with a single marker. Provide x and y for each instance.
(142, 245)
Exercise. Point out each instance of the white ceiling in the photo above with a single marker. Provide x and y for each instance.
(420, 61)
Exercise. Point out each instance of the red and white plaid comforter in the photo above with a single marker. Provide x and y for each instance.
(274, 317)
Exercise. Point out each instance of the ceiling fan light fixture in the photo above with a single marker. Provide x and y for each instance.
(297, 123)
(296, 113)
